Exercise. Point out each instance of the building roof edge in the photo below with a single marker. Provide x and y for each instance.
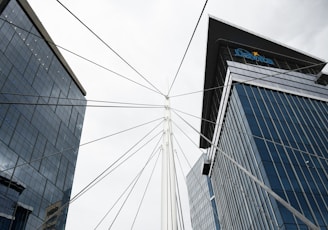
(36, 21)
(265, 37)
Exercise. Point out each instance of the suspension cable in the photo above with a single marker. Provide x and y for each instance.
(258, 182)
(108, 46)
(86, 143)
(175, 124)
(95, 179)
(37, 97)
(139, 175)
(203, 119)
(193, 173)
(145, 191)
(178, 198)
(80, 56)
(79, 105)
(119, 164)
(245, 133)
(151, 156)
(249, 80)
(185, 53)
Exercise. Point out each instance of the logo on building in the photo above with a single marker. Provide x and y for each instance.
(255, 56)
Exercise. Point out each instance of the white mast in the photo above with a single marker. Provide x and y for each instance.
(169, 211)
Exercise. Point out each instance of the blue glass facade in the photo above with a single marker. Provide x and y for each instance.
(291, 135)
(203, 210)
(42, 108)
(282, 139)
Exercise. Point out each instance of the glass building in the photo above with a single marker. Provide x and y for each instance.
(268, 146)
(203, 211)
(42, 107)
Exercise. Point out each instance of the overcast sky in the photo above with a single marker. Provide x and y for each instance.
(152, 36)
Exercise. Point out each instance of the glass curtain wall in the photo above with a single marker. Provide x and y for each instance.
(283, 140)
(41, 117)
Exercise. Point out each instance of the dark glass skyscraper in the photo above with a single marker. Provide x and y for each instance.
(42, 108)
(269, 146)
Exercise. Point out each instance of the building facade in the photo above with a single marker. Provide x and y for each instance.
(268, 147)
(42, 107)
(203, 211)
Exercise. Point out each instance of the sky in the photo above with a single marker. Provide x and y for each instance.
(152, 36)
